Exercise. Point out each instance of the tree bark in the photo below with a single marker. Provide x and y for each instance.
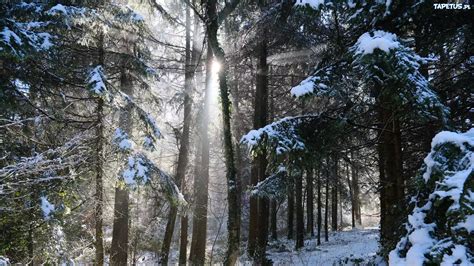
(260, 120)
(319, 207)
(334, 194)
(291, 210)
(233, 189)
(253, 212)
(198, 242)
(99, 187)
(119, 248)
(184, 143)
(183, 243)
(310, 202)
(326, 206)
(351, 195)
(392, 183)
(355, 195)
(258, 225)
(299, 210)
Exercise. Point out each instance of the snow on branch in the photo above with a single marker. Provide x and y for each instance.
(136, 170)
(96, 81)
(67, 11)
(46, 207)
(17, 37)
(314, 4)
(281, 136)
(54, 164)
(158, 177)
(295, 135)
(395, 68)
(316, 84)
(122, 140)
(152, 130)
(274, 186)
(286, 142)
(441, 223)
(369, 41)
(139, 169)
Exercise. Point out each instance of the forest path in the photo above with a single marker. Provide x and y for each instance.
(356, 244)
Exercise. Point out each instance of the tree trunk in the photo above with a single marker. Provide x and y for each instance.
(165, 247)
(183, 244)
(309, 202)
(99, 198)
(334, 195)
(184, 142)
(198, 242)
(319, 207)
(291, 210)
(341, 218)
(299, 210)
(233, 189)
(351, 195)
(392, 183)
(253, 212)
(326, 207)
(260, 120)
(99, 187)
(119, 248)
(258, 230)
(355, 195)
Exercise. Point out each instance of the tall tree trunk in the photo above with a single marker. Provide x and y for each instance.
(357, 205)
(291, 210)
(99, 197)
(165, 247)
(99, 187)
(119, 248)
(326, 206)
(355, 195)
(392, 183)
(299, 210)
(233, 189)
(184, 142)
(341, 218)
(183, 243)
(310, 202)
(195, 58)
(198, 242)
(334, 194)
(253, 211)
(260, 120)
(258, 225)
(351, 195)
(319, 207)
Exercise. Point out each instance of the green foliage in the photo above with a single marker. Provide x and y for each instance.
(292, 144)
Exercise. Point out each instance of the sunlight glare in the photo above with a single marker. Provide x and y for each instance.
(216, 66)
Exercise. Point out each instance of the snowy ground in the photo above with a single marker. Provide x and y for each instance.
(356, 244)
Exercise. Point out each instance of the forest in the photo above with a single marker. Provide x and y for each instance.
(236, 132)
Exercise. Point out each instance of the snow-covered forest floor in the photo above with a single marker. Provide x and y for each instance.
(355, 244)
(344, 246)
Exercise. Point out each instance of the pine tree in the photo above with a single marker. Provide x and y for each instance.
(440, 225)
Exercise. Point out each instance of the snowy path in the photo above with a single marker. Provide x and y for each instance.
(354, 243)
